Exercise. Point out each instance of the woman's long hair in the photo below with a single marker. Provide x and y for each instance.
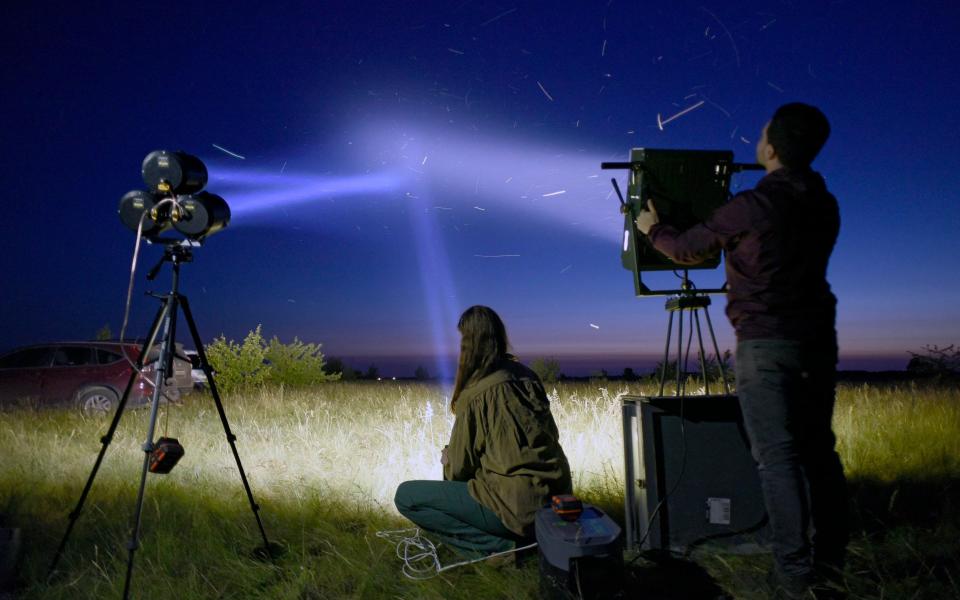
(483, 344)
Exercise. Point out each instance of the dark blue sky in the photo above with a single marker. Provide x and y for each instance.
(405, 160)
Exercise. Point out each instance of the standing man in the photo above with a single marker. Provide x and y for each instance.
(777, 240)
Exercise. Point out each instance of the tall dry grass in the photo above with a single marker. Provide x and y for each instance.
(324, 464)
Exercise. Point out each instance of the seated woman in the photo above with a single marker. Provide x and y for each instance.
(504, 459)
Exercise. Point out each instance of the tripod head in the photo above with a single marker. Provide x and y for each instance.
(174, 251)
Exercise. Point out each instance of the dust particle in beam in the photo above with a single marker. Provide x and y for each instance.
(557, 193)
(717, 106)
(661, 122)
(736, 51)
(594, 326)
(565, 269)
(745, 140)
(774, 86)
(455, 51)
(480, 209)
(500, 16)
(545, 92)
(225, 151)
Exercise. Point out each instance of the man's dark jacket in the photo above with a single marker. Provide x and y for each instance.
(777, 239)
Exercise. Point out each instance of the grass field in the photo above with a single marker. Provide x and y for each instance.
(324, 464)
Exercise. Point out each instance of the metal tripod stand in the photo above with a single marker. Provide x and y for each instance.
(165, 320)
(690, 299)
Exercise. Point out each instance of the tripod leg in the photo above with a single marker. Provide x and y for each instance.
(716, 350)
(703, 354)
(679, 390)
(106, 439)
(231, 438)
(666, 353)
(165, 349)
(686, 356)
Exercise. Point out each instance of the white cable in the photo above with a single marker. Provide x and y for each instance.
(487, 557)
(419, 555)
(422, 562)
(126, 313)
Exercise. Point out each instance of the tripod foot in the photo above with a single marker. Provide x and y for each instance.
(271, 551)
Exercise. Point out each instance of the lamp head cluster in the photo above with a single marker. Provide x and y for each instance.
(174, 199)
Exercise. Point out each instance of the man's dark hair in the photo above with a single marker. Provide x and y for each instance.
(797, 132)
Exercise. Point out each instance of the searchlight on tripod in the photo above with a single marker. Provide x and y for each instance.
(180, 178)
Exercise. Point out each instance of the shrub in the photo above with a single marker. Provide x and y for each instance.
(335, 366)
(104, 333)
(599, 375)
(296, 364)
(253, 363)
(935, 361)
(238, 365)
(547, 368)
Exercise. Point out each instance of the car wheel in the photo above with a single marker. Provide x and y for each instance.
(96, 401)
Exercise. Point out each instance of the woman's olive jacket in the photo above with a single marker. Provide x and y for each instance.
(506, 446)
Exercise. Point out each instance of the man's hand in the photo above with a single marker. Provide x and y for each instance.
(444, 459)
(647, 218)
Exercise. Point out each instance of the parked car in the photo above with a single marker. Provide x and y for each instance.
(88, 375)
(196, 373)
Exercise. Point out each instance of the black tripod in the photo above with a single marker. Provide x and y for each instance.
(690, 299)
(166, 318)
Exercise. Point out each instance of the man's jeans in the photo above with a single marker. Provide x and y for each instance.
(786, 392)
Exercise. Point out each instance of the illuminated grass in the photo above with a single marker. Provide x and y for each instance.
(324, 464)
(899, 432)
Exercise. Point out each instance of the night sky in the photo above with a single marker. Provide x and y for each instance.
(405, 160)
